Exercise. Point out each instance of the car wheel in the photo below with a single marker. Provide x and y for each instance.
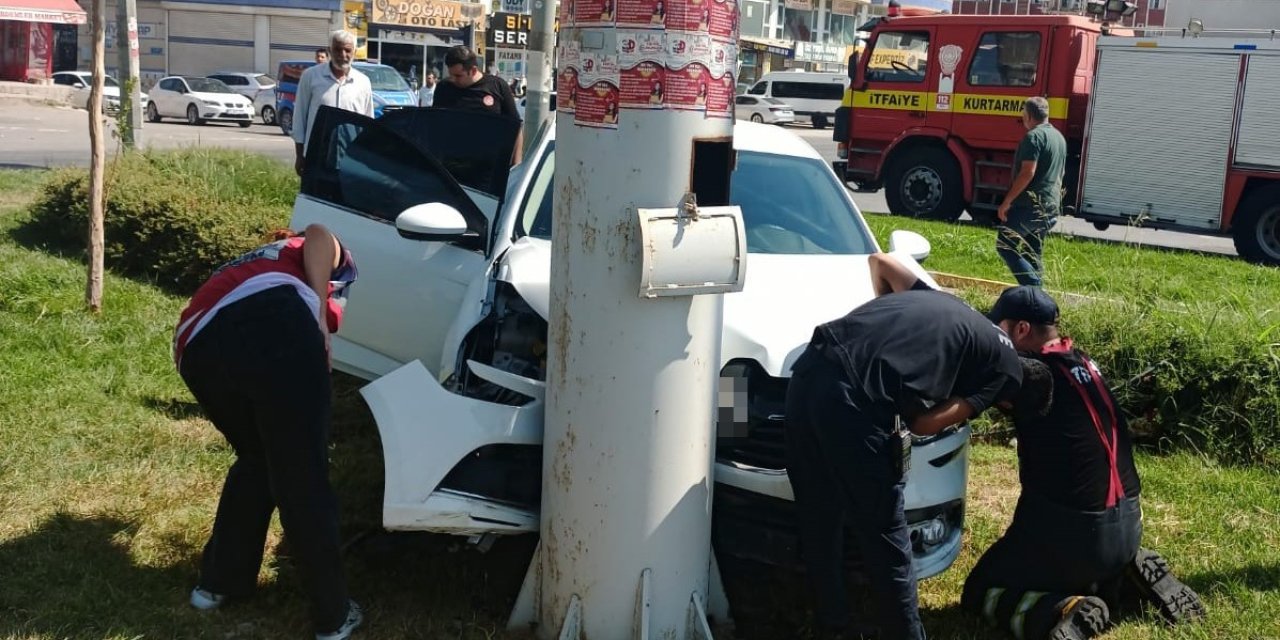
(153, 114)
(819, 122)
(268, 115)
(245, 124)
(1256, 228)
(925, 183)
(755, 117)
(286, 121)
(193, 115)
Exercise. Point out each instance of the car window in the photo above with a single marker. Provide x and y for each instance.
(1006, 59)
(759, 89)
(790, 205)
(384, 79)
(170, 84)
(809, 90)
(776, 101)
(110, 82)
(61, 79)
(744, 100)
(208, 85)
(899, 56)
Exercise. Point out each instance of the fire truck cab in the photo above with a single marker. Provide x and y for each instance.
(1175, 133)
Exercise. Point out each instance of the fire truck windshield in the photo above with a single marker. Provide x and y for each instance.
(899, 56)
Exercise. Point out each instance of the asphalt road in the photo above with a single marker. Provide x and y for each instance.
(42, 136)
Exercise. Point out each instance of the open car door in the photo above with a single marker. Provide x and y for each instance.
(360, 175)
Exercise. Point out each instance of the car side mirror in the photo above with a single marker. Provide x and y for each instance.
(431, 221)
(910, 243)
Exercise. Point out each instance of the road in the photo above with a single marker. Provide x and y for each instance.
(37, 136)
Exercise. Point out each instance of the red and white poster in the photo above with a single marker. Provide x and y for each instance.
(689, 15)
(723, 24)
(720, 90)
(593, 13)
(643, 74)
(639, 14)
(567, 77)
(597, 99)
(565, 13)
(688, 71)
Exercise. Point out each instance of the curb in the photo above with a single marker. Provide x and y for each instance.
(994, 287)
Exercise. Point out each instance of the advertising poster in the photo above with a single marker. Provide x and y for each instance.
(593, 13)
(724, 20)
(720, 90)
(640, 14)
(596, 104)
(689, 15)
(564, 13)
(570, 66)
(688, 72)
(642, 73)
(510, 63)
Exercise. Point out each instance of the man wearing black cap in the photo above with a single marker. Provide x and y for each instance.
(1071, 556)
(921, 358)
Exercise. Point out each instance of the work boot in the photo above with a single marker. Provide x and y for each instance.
(1150, 574)
(354, 618)
(1083, 617)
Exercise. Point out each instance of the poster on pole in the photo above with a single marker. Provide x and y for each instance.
(688, 71)
(570, 65)
(643, 74)
(596, 104)
(720, 90)
(593, 13)
(642, 14)
(688, 15)
(723, 24)
(510, 63)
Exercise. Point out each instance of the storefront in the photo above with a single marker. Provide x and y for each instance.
(506, 45)
(27, 36)
(813, 56)
(758, 56)
(413, 35)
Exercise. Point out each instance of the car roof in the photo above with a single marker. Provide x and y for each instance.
(765, 138)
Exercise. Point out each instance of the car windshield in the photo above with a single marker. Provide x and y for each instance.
(385, 79)
(208, 85)
(790, 205)
(265, 80)
(109, 82)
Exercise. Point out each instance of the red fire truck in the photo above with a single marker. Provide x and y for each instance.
(1171, 132)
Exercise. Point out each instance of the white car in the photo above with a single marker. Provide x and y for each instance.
(449, 322)
(198, 100)
(257, 87)
(80, 81)
(761, 109)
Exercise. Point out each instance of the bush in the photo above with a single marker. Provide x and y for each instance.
(172, 216)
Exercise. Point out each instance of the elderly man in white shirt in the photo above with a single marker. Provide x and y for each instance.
(336, 84)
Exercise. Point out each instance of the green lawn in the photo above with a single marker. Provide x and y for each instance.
(109, 477)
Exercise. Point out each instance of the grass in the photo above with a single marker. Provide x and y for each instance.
(109, 477)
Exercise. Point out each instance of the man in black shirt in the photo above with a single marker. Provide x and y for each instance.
(1071, 556)
(473, 90)
(921, 355)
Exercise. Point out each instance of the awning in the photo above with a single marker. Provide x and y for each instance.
(54, 11)
(783, 48)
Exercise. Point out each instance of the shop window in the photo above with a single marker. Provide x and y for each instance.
(899, 56)
(1006, 59)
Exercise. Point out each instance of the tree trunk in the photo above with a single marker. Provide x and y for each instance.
(97, 162)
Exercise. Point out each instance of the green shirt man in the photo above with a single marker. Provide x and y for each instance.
(1044, 146)
(1030, 208)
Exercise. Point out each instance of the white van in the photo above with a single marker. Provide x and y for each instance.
(812, 94)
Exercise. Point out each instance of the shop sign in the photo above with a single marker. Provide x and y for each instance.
(417, 37)
(752, 45)
(445, 15)
(800, 5)
(845, 7)
(509, 30)
(816, 52)
(516, 6)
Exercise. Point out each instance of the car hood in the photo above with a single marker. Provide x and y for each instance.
(770, 321)
(223, 98)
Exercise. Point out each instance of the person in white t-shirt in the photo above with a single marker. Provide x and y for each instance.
(427, 94)
(336, 84)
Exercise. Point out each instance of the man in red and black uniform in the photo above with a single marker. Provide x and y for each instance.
(471, 89)
(253, 348)
(1071, 557)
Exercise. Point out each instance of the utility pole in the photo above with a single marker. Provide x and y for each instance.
(130, 82)
(541, 70)
(97, 160)
(644, 155)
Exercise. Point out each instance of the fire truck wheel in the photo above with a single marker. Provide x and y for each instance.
(1256, 229)
(925, 183)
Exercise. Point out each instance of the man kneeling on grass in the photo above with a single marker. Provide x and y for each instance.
(1071, 557)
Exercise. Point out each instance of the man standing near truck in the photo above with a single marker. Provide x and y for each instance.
(1030, 208)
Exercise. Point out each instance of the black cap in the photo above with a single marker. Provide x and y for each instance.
(1027, 303)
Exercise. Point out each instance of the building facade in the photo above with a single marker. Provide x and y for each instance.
(37, 38)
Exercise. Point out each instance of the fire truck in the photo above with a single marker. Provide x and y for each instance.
(1170, 132)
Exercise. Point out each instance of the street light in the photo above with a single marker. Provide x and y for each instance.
(1195, 27)
(1096, 7)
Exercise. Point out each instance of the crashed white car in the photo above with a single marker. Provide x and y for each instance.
(449, 322)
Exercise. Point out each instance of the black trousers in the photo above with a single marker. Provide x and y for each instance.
(1050, 553)
(842, 472)
(260, 373)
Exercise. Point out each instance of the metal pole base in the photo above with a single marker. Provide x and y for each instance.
(524, 613)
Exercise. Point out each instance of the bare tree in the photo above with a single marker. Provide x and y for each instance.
(97, 162)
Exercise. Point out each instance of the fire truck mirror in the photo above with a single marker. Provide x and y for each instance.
(853, 66)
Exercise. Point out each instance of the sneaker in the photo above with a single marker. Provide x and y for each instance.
(354, 618)
(1083, 617)
(206, 600)
(1176, 601)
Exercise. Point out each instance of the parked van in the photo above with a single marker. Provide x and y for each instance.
(812, 94)
(390, 91)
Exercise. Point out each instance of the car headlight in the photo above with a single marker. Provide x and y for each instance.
(210, 103)
(931, 532)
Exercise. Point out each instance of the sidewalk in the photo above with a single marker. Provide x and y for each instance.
(35, 93)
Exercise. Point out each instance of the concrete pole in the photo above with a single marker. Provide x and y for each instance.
(541, 70)
(130, 80)
(625, 550)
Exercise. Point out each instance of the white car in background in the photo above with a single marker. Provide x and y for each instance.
(259, 88)
(762, 109)
(449, 321)
(80, 81)
(198, 100)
